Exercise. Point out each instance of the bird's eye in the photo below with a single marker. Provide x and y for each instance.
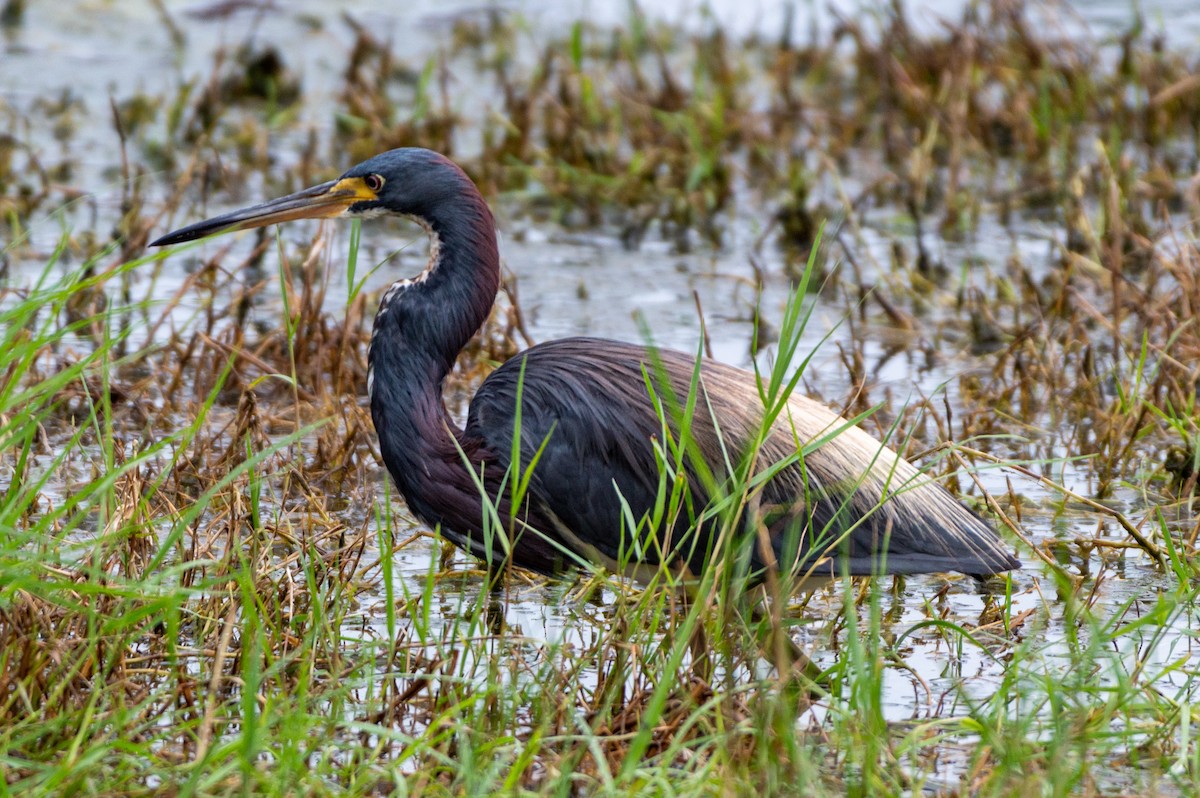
(373, 182)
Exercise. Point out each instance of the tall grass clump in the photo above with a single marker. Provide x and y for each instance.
(147, 616)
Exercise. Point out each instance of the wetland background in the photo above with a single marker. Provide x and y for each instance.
(207, 586)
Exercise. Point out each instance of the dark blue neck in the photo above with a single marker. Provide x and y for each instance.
(435, 314)
(420, 328)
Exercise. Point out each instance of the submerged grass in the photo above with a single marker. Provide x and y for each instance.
(206, 587)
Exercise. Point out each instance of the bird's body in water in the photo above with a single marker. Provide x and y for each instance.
(588, 419)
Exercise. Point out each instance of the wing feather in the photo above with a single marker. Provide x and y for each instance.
(850, 500)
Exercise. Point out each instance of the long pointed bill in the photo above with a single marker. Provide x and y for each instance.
(319, 202)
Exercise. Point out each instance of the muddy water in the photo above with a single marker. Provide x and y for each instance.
(570, 284)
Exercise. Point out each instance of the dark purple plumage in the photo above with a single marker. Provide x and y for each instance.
(587, 413)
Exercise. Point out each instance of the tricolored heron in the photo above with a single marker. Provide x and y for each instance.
(850, 505)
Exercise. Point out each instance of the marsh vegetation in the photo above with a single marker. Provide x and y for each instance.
(208, 587)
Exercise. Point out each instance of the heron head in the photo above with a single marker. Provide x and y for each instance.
(407, 181)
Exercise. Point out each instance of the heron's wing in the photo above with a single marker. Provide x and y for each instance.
(850, 495)
(588, 418)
